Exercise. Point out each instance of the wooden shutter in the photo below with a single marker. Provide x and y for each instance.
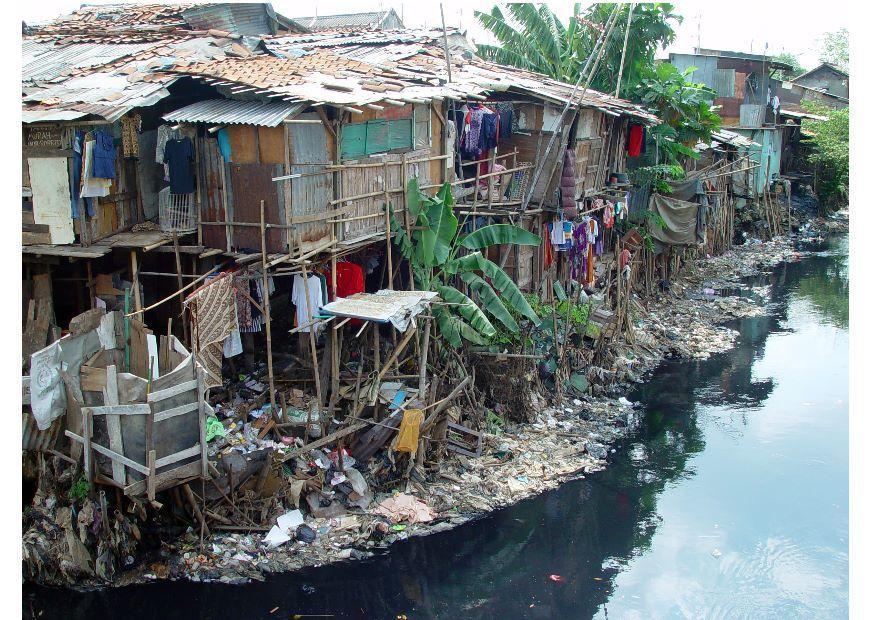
(401, 134)
(353, 140)
(377, 140)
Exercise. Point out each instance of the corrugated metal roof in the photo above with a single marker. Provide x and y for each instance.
(106, 80)
(47, 61)
(44, 116)
(235, 112)
(724, 136)
(373, 19)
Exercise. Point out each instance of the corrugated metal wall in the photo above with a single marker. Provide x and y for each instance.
(308, 147)
(244, 18)
(706, 67)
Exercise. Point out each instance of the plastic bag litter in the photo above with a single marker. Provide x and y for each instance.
(408, 433)
(403, 507)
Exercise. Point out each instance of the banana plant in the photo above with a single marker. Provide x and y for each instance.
(433, 248)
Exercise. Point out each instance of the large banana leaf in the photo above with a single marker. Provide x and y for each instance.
(489, 300)
(500, 281)
(454, 328)
(405, 245)
(443, 224)
(436, 221)
(496, 234)
(468, 309)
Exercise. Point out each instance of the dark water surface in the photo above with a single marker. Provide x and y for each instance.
(730, 502)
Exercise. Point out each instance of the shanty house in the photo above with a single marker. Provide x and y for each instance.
(297, 141)
(826, 83)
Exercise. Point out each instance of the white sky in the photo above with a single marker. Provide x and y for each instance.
(737, 25)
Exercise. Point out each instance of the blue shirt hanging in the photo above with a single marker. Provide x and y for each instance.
(103, 166)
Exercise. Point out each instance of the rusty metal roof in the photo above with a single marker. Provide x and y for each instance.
(228, 111)
(334, 68)
(68, 81)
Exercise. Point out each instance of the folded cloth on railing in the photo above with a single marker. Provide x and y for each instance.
(213, 318)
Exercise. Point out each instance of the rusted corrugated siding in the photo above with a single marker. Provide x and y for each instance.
(34, 439)
(310, 195)
(210, 177)
(252, 183)
(242, 18)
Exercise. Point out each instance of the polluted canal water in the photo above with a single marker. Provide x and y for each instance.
(730, 500)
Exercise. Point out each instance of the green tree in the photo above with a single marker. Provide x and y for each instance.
(790, 59)
(684, 107)
(829, 153)
(531, 36)
(834, 48)
(433, 249)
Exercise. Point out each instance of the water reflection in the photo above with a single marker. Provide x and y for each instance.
(639, 540)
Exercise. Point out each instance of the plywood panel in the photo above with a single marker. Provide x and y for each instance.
(271, 142)
(242, 140)
(250, 184)
(50, 183)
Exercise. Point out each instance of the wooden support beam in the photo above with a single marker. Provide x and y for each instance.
(267, 318)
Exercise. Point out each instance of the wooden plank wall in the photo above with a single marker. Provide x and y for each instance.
(357, 181)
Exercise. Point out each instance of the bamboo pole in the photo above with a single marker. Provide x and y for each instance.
(267, 318)
(312, 337)
(388, 227)
(138, 306)
(179, 284)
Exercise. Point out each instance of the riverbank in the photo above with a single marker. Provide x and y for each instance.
(557, 444)
(563, 443)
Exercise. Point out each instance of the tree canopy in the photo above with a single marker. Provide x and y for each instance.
(790, 59)
(531, 36)
(834, 48)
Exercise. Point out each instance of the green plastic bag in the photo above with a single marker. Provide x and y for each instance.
(214, 428)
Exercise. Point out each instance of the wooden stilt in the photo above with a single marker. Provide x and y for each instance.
(389, 265)
(180, 285)
(423, 359)
(135, 278)
(267, 319)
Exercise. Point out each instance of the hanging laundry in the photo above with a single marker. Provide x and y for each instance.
(557, 233)
(607, 215)
(625, 255)
(350, 279)
(301, 290)
(578, 252)
(179, 156)
(472, 139)
(548, 248)
(634, 140)
(76, 177)
(244, 305)
(165, 133)
(257, 292)
(505, 119)
(91, 185)
(103, 163)
(131, 125)
(488, 131)
(224, 144)
(213, 318)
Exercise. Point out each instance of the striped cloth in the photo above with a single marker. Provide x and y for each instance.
(213, 317)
